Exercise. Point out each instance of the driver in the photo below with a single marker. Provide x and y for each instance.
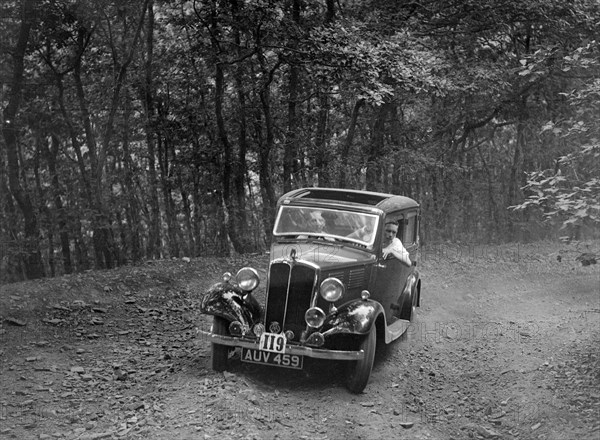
(364, 233)
(392, 244)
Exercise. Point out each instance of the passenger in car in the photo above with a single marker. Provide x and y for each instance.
(316, 222)
(392, 244)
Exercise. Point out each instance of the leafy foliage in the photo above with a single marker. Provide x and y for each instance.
(160, 128)
(570, 192)
(569, 199)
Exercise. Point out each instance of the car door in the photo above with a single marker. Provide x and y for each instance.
(408, 234)
(391, 274)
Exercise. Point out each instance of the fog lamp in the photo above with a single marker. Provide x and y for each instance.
(226, 276)
(315, 339)
(289, 335)
(235, 328)
(314, 317)
(365, 295)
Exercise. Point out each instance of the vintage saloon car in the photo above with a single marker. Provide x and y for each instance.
(329, 293)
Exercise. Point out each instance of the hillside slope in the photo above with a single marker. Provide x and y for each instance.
(505, 346)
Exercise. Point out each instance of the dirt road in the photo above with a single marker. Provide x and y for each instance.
(504, 346)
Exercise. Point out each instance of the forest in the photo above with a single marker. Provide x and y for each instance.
(135, 130)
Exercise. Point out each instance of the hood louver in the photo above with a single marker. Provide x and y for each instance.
(352, 279)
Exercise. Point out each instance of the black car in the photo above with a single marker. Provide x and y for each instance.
(330, 292)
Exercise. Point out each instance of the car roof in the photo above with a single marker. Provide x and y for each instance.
(385, 202)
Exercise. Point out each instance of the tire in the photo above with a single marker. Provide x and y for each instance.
(360, 371)
(410, 315)
(220, 353)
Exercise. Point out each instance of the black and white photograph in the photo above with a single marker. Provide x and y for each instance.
(300, 219)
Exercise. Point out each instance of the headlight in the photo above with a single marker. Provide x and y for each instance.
(247, 278)
(331, 289)
(314, 317)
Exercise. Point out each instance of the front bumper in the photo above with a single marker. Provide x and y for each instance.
(317, 353)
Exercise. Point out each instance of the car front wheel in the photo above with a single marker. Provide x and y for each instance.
(220, 353)
(360, 371)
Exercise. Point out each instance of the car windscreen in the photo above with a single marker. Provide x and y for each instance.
(304, 222)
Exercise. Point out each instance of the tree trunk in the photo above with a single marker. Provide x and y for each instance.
(74, 138)
(225, 162)
(165, 180)
(330, 14)
(46, 215)
(63, 227)
(132, 208)
(290, 147)
(347, 145)
(228, 204)
(106, 240)
(33, 259)
(101, 237)
(187, 215)
(376, 149)
(13, 270)
(517, 165)
(81, 249)
(514, 187)
(240, 220)
(322, 156)
(197, 219)
(265, 148)
(492, 224)
(154, 237)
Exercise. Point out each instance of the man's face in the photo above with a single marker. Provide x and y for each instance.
(317, 223)
(389, 233)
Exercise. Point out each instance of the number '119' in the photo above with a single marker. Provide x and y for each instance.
(273, 342)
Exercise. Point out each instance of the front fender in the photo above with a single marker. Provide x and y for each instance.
(232, 303)
(356, 317)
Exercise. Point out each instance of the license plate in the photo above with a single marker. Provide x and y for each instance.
(273, 342)
(254, 356)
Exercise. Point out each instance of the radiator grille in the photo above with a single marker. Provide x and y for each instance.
(277, 294)
(287, 305)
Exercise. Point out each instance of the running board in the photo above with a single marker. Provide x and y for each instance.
(395, 330)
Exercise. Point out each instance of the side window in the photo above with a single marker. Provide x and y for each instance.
(409, 230)
(400, 217)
